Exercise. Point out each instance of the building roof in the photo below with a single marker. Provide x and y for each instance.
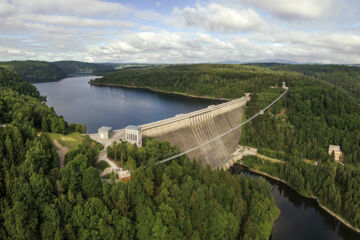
(132, 127)
(334, 148)
(105, 129)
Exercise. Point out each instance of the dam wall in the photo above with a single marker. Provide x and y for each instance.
(192, 129)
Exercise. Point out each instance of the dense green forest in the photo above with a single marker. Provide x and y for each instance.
(337, 188)
(35, 71)
(346, 77)
(213, 80)
(70, 67)
(178, 200)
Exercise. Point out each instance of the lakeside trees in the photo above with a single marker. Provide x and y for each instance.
(337, 188)
(213, 80)
(35, 71)
(70, 67)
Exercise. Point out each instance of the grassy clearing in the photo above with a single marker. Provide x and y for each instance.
(71, 140)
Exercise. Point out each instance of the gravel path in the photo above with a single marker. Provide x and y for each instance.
(61, 151)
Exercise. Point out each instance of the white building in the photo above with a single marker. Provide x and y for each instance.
(284, 85)
(105, 132)
(133, 135)
(337, 152)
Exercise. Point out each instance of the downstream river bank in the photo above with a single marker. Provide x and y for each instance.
(300, 217)
(78, 101)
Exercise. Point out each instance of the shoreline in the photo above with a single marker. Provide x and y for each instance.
(159, 91)
(339, 218)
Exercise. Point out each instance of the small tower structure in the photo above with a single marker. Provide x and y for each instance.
(133, 135)
(105, 132)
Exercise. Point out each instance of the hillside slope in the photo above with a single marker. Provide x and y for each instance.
(346, 77)
(35, 71)
(71, 67)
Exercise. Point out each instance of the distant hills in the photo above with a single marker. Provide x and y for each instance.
(34, 71)
(41, 71)
(279, 61)
(71, 67)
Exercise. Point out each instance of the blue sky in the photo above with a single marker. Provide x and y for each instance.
(313, 31)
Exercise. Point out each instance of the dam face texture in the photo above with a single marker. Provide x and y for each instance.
(192, 129)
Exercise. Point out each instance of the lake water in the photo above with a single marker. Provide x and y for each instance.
(77, 101)
(97, 106)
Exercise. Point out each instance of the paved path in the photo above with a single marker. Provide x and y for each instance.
(269, 158)
(61, 151)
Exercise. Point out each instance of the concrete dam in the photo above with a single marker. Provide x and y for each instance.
(195, 128)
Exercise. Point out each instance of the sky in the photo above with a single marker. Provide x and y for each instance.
(145, 31)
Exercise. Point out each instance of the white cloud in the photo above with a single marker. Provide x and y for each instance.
(5, 8)
(72, 21)
(73, 7)
(290, 9)
(214, 17)
(160, 47)
(95, 30)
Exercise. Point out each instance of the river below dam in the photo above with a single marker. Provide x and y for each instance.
(77, 101)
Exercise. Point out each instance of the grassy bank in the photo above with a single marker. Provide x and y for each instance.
(70, 141)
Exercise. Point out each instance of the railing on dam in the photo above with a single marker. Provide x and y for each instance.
(180, 117)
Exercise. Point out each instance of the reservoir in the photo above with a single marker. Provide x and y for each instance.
(96, 106)
(77, 101)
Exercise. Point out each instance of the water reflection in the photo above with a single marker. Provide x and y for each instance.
(117, 107)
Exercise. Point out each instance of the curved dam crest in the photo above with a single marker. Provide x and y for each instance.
(195, 128)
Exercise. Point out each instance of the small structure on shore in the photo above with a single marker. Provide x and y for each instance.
(133, 135)
(284, 85)
(337, 152)
(124, 175)
(105, 132)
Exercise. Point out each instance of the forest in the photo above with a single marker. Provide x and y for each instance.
(178, 200)
(336, 188)
(70, 67)
(212, 80)
(345, 77)
(35, 71)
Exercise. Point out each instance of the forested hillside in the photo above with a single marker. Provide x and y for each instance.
(212, 80)
(346, 77)
(70, 67)
(179, 200)
(35, 71)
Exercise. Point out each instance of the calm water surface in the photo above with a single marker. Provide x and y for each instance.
(116, 107)
(77, 101)
(301, 218)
